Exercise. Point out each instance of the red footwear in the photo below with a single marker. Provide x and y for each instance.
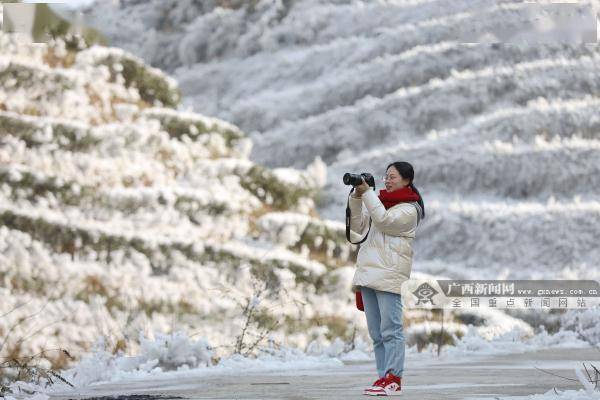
(389, 386)
(375, 385)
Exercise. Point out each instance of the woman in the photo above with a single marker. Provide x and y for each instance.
(383, 264)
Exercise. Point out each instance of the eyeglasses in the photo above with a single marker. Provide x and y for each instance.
(388, 178)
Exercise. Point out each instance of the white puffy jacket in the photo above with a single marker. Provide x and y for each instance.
(384, 260)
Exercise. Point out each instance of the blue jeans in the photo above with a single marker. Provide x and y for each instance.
(384, 320)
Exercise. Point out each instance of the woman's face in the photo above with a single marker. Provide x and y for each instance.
(393, 180)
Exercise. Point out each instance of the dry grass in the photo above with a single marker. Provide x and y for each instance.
(15, 366)
(54, 61)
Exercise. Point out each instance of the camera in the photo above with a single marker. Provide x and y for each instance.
(355, 179)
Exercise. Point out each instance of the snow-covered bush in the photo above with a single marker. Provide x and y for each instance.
(154, 87)
(585, 323)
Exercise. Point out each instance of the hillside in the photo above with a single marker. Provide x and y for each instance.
(494, 103)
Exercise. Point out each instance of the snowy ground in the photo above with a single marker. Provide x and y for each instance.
(426, 377)
(506, 365)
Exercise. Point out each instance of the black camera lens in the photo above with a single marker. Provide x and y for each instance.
(356, 179)
(352, 179)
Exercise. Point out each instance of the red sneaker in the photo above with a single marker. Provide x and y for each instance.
(389, 386)
(375, 385)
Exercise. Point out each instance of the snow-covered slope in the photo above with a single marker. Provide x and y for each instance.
(120, 214)
(504, 137)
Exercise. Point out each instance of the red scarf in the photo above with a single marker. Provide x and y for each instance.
(403, 195)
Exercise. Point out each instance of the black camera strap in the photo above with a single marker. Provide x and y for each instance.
(348, 215)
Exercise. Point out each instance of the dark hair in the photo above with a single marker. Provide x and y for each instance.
(407, 172)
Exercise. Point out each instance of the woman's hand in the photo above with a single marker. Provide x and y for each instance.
(360, 189)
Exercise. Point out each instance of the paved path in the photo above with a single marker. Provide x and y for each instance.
(424, 379)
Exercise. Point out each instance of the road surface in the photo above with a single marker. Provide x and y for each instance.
(430, 378)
